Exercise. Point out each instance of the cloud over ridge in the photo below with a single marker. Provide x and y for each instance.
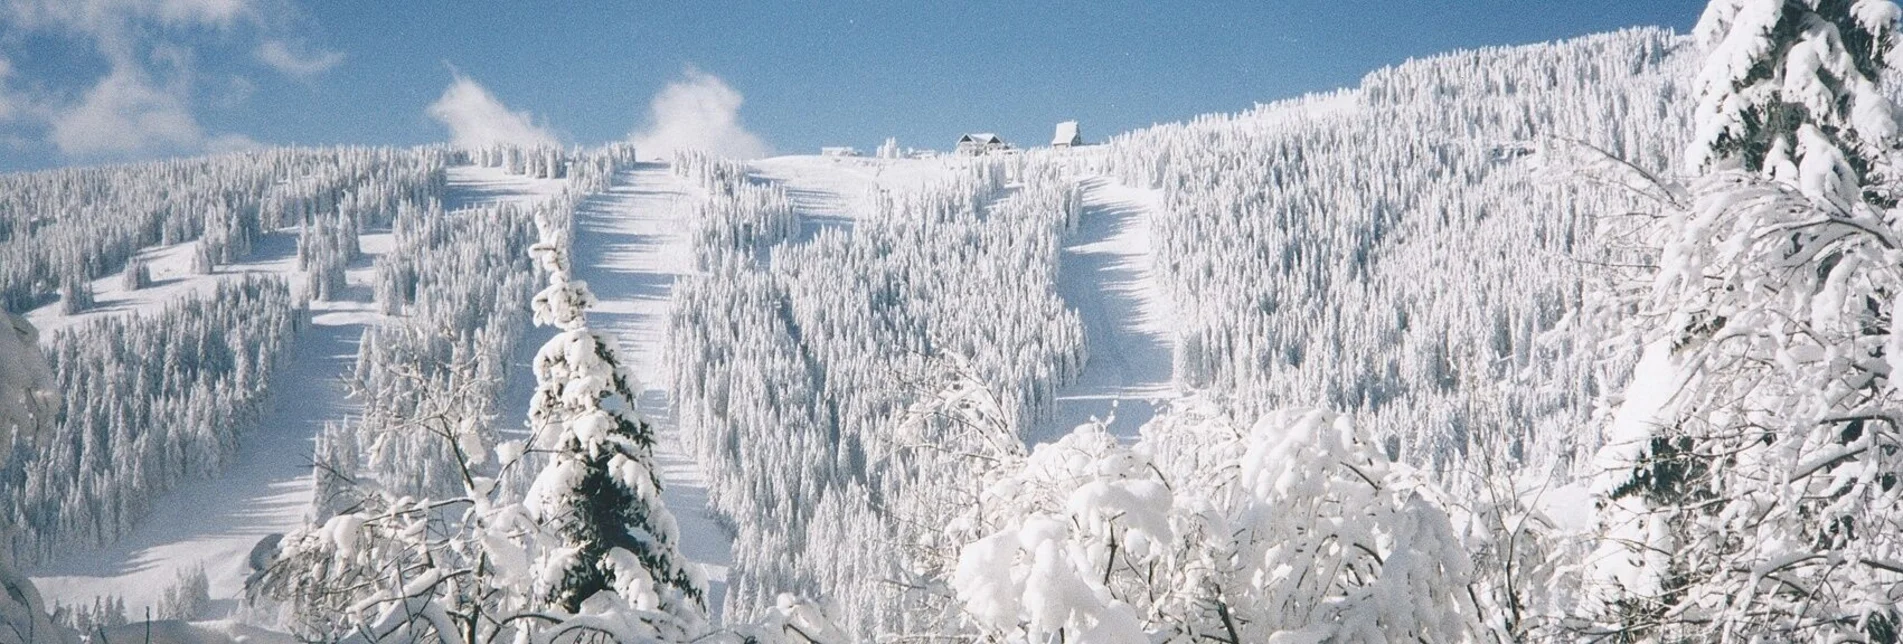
(698, 112)
(476, 119)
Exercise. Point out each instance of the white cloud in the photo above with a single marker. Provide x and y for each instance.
(145, 102)
(698, 112)
(476, 119)
(126, 114)
(117, 23)
(210, 12)
(279, 56)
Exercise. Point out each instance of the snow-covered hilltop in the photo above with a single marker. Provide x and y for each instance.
(1333, 369)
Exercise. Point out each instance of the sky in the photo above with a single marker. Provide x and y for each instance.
(96, 81)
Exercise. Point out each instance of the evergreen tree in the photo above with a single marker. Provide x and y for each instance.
(137, 275)
(1790, 89)
(1749, 474)
(599, 494)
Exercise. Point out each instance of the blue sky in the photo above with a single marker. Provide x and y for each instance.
(89, 81)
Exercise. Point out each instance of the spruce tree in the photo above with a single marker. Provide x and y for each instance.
(1791, 89)
(599, 495)
(1748, 488)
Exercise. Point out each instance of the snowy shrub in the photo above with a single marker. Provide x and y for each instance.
(1296, 529)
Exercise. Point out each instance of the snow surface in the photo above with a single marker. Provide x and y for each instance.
(172, 279)
(1105, 273)
(216, 522)
(631, 245)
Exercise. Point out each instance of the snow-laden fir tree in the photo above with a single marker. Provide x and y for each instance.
(1790, 88)
(1749, 487)
(599, 494)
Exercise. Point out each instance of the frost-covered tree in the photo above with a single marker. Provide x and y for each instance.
(147, 401)
(188, 597)
(1748, 487)
(599, 495)
(75, 297)
(1790, 88)
(137, 275)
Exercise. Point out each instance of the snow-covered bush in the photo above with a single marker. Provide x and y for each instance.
(1295, 528)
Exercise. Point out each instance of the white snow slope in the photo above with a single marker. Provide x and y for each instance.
(631, 244)
(216, 522)
(1105, 273)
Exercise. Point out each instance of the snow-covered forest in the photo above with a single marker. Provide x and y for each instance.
(1587, 340)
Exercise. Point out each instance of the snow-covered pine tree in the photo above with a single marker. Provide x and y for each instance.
(75, 296)
(1749, 488)
(1790, 88)
(599, 495)
(137, 275)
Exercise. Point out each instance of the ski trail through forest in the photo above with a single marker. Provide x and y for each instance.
(1105, 273)
(631, 244)
(266, 488)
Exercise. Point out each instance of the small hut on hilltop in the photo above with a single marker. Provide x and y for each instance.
(1067, 136)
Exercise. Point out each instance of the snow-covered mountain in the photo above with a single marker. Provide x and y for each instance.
(1135, 391)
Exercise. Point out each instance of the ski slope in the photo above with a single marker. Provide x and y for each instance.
(631, 244)
(216, 522)
(1104, 273)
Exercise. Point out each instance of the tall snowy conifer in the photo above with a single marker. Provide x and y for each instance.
(599, 494)
(1749, 487)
